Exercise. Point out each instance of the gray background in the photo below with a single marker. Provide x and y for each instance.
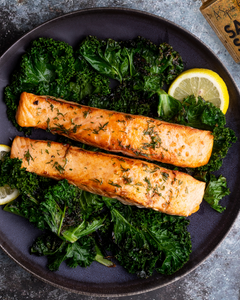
(219, 276)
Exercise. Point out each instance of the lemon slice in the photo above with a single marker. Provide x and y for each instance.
(6, 193)
(201, 82)
(4, 149)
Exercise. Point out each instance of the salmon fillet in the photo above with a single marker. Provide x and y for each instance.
(136, 136)
(132, 181)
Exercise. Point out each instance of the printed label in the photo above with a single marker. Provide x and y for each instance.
(224, 17)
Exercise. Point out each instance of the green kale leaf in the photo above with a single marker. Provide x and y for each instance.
(215, 191)
(168, 106)
(106, 57)
(200, 114)
(81, 253)
(147, 240)
(155, 66)
(124, 99)
(64, 211)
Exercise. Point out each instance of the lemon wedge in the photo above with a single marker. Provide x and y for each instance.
(201, 82)
(6, 193)
(3, 150)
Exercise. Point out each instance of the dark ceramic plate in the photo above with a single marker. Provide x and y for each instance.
(207, 227)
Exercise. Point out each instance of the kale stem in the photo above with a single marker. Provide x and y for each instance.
(100, 258)
(118, 73)
(32, 198)
(60, 225)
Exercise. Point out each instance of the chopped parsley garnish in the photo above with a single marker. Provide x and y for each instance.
(114, 184)
(100, 127)
(28, 156)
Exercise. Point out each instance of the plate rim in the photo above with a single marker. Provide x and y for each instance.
(143, 13)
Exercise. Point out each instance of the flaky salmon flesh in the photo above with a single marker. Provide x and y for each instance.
(136, 136)
(132, 181)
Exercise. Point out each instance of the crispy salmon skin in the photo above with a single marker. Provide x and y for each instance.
(129, 180)
(136, 136)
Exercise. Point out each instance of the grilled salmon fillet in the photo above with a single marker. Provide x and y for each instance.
(129, 180)
(136, 136)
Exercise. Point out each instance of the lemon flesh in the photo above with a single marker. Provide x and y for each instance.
(6, 193)
(201, 82)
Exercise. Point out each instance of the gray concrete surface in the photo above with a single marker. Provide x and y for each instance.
(219, 276)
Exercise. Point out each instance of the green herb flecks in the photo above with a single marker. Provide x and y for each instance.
(86, 113)
(154, 136)
(100, 127)
(124, 169)
(28, 156)
(114, 184)
(58, 167)
(97, 180)
(149, 186)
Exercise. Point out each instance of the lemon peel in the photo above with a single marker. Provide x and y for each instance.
(6, 193)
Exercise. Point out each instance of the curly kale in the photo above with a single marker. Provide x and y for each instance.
(140, 66)
(124, 99)
(108, 57)
(140, 60)
(82, 253)
(146, 240)
(155, 66)
(215, 191)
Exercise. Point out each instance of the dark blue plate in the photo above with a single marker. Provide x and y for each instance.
(207, 227)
